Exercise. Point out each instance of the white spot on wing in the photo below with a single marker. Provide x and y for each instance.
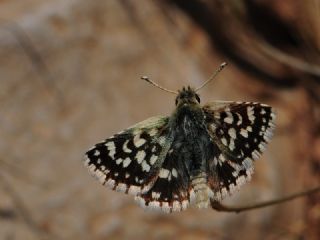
(119, 160)
(241, 180)
(96, 153)
(140, 156)
(262, 147)
(111, 147)
(145, 166)
(100, 176)
(229, 118)
(121, 187)
(153, 159)
(244, 132)
(215, 161)
(176, 206)
(255, 154)
(153, 132)
(156, 195)
(232, 145)
(153, 149)
(110, 183)
(174, 173)
(125, 147)
(92, 169)
(126, 162)
(137, 141)
(250, 113)
(239, 120)
(166, 207)
(224, 141)
(164, 173)
(247, 163)
(222, 158)
(232, 133)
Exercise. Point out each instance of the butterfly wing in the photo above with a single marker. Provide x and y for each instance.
(170, 192)
(239, 132)
(130, 160)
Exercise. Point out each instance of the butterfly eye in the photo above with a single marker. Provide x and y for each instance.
(198, 98)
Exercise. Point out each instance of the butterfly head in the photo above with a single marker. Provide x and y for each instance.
(187, 96)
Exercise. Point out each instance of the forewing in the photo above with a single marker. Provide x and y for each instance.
(130, 160)
(170, 192)
(239, 133)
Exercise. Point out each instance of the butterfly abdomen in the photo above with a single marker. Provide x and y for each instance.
(202, 192)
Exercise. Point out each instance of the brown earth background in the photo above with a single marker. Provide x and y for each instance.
(69, 77)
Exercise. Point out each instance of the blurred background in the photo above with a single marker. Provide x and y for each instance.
(70, 77)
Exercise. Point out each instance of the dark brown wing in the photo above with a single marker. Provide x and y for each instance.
(239, 132)
(130, 160)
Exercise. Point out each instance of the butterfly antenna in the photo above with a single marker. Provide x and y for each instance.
(157, 85)
(212, 76)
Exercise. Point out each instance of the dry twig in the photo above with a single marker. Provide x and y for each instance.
(222, 208)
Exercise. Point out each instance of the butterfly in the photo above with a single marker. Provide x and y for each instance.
(200, 153)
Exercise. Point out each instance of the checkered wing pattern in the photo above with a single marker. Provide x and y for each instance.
(170, 192)
(239, 132)
(130, 161)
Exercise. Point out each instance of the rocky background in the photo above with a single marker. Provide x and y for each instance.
(69, 77)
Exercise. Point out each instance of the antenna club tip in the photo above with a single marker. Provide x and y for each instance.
(144, 77)
(224, 64)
